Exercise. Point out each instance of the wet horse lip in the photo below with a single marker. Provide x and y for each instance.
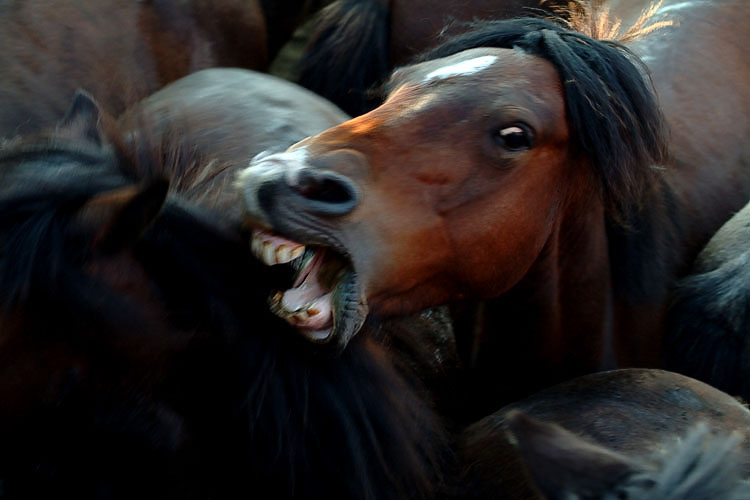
(325, 303)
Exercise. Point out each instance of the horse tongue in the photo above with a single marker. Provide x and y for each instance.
(308, 305)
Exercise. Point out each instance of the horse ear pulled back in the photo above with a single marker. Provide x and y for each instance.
(115, 218)
(81, 121)
(701, 465)
(561, 461)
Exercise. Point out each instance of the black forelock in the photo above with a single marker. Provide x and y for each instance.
(611, 109)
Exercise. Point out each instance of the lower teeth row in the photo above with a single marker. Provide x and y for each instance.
(302, 314)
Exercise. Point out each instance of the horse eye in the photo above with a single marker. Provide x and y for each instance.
(514, 138)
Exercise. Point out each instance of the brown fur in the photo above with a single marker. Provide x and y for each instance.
(119, 52)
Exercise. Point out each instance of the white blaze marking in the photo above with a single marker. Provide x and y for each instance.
(467, 67)
(267, 167)
(288, 163)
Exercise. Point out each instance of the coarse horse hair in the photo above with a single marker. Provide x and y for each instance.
(348, 31)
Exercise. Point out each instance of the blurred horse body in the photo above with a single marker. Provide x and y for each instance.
(122, 51)
(227, 116)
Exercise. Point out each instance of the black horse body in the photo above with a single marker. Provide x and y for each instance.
(139, 357)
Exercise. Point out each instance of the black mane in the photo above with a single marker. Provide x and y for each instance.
(234, 407)
(611, 109)
(347, 55)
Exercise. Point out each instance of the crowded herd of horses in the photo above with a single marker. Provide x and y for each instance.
(488, 249)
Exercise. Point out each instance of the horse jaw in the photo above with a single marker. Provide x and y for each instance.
(324, 302)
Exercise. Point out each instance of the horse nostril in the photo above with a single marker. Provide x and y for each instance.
(326, 193)
(322, 189)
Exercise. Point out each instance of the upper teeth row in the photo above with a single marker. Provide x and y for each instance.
(273, 252)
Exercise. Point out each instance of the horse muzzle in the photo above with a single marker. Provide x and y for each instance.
(299, 203)
(309, 188)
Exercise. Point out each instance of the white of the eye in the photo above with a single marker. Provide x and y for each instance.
(511, 130)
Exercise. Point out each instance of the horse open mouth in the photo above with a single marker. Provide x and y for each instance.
(324, 302)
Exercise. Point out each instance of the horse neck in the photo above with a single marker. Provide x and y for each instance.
(557, 322)
(566, 297)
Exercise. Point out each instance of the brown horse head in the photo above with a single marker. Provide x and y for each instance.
(501, 143)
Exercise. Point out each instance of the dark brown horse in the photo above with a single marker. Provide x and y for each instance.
(356, 43)
(121, 51)
(526, 164)
(611, 435)
(137, 354)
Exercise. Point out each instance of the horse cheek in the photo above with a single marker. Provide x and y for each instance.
(404, 257)
(497, 238)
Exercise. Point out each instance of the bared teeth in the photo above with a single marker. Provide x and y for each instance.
(273, 249)
(283, 253)
(269, 254)
(299, 317)
(296, 252)
(307, 305)
(296, 317)
(255, 246)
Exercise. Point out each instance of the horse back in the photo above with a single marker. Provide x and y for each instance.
(118, 51)
(700, 69)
